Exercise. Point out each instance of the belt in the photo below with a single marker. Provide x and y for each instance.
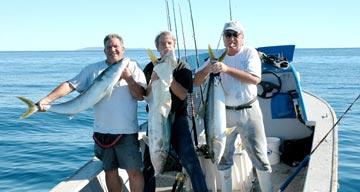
(243, 106)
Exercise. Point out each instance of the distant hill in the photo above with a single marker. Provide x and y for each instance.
(101, 48)
(90, 49)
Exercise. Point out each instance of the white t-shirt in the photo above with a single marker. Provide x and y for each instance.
(238, 92)
(117, 113)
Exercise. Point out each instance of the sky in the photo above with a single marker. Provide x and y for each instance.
(40, 25)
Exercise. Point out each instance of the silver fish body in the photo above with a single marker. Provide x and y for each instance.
(215, 113)
(215, 119)
(101, 86)
(159, 118)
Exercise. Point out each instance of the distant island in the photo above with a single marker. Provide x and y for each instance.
(101, 48)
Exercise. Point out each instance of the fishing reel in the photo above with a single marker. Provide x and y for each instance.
(271, 87)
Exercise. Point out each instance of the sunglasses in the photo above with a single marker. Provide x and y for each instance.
(229, 35)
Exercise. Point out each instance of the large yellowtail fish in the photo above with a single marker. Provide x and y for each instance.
(215, 113)
(100, 87)
(159, 120)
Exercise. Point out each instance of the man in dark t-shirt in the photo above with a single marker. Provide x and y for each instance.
(181, 140)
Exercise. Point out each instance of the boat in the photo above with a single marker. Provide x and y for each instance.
(301, 130)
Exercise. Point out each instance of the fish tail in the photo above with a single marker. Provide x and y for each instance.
(146, 139)
(223, 55)
(211, 53)
(32, 108)
(212, 56)
(229, 130)
(152, 56)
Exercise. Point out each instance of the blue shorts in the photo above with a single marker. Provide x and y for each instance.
(125, 154)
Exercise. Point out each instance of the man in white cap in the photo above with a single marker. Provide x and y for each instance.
(240, 72)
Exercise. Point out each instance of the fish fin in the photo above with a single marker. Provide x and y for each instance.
(211, 53)
(108, 96)
(152, 56)
(212, 56)
(223, 55)
(201, 111)
(32, 108)
(146, 139)
(229, 130)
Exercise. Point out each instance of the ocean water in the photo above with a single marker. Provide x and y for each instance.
(42, 150)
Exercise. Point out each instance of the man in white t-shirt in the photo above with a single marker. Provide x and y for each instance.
(115, 116)
(240, 72)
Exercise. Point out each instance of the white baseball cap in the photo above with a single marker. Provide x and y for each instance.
(235, 26)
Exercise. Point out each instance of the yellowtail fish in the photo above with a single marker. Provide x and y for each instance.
(159, 118)
(215, 113)
(101, 87)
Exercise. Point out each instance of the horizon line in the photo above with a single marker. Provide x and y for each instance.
(101, 48)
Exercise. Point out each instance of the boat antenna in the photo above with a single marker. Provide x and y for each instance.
(307, 158)
(168, 15)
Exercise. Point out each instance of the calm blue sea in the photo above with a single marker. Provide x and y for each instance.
(42, 150)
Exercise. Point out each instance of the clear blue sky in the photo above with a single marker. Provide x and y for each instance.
(28, 25)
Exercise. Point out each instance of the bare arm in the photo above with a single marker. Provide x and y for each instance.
(136, 90)
(154, 77)
(201, 75)
(178, 90)
(60, 91)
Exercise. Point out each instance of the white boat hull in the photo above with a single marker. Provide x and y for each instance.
(309, 117)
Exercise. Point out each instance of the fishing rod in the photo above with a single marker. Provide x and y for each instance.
(183, 34)
(196, 50)
(193, 28)
(176, 33)
(168, 15)
(190, 94)
(230, 10)
(307, 158)
(197, 66)
(181, 175)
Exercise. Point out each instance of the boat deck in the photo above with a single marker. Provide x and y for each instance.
(164, 183)
(84, 182)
